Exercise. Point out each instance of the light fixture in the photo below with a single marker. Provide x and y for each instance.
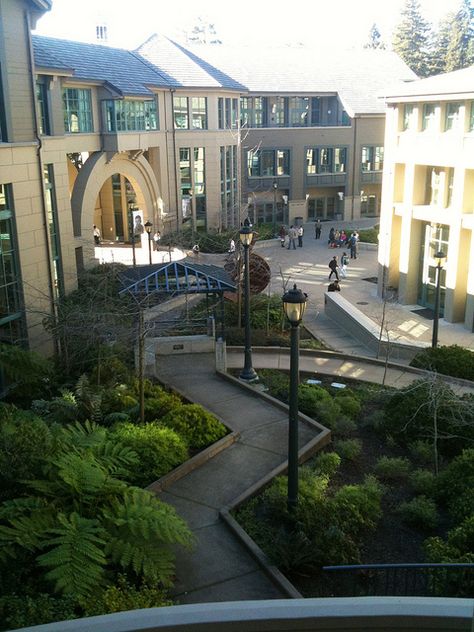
(294, 304)
(148, 226)
(246, 233)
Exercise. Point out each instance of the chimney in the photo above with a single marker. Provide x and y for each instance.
(101, 33)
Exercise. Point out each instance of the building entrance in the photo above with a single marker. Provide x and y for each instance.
(436, 238)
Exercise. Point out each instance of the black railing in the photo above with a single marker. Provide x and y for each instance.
(399, 580)
(179, 327)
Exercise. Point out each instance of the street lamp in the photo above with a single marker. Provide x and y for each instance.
(294, 304)
(246, 235)
(440, 257)
(148, 227)
(275, 187)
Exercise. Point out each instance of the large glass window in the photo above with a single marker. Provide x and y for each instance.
(199, 112)
(227, 113)
(372, 158)
(253, 111)
(409, 116)
(268, 162)
(77, 108)
(368, 204)
(180, 112)
(429, 117)
(3, 122)
(299, 111)
(452, 116)
(12, 323)
(53, 225)
(43, 109)
(326, 160)
(127, 116)
(200, 187)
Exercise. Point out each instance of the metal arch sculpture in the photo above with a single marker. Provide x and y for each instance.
(260, 274)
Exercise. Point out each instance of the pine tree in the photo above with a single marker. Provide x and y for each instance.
(439, 45)
(460, 49)
(411, 38)
(375, 39)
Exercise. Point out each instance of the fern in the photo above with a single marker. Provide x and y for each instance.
(77, 560)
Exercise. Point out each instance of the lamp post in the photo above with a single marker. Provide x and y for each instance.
(246, 235)
(275, 187)
(440, 257)
(148, 227)
(294, 304)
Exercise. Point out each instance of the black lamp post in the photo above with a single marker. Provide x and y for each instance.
(148, 227)
(294, 304)
(246, 235)
(275, 187)
(440, 257)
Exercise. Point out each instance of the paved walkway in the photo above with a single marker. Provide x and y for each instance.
(220, 568)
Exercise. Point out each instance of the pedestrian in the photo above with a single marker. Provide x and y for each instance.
(156, 240)
(333, 267)
(343, 266)
(317, 229)
(96, 234)
(334, 287)
(300, 236)
(282, 236)
(196, 250)
(353, 245)
(292, 235)
(331, 238)
(231, 247)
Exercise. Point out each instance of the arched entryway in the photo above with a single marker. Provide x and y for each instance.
(92, 200)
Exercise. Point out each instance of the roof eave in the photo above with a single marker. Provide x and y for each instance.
(45, 5)
(53, 70)
(433, 96)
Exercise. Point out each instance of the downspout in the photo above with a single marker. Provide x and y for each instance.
(354, 167)
(39, 155)
(178, 223)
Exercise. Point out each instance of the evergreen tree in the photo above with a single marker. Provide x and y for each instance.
(411, 38)
(375, 39)
(460, 49)
(439, 45)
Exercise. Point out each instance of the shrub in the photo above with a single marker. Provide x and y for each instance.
(455, 485)
(122, 596)
(374, 420)
(451, 360)
(115, 418)
(458, 546)
(343, 427)
(421, 451)
(392, 469)
(198, 427)
(317, 403)
(420, 512)
(349, 449)
(277, 382)
(423, 482)
(349, 404)
(160, 450)
(369, 235)
(327, 463)
(22, 611)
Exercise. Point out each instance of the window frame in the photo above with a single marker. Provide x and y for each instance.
(85, 116)
(375, 156)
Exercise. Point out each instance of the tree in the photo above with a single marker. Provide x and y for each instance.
(375, 39)
(460, 50)
(411, 38)
(204, 33)
(439, 45)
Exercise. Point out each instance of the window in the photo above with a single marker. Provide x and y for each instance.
(280, 112)
(228, 110)
(299, 111)
(452, 116)
(322, 208)
(199, 112)
(253, 111)
(193, 185)
(3, 122)
(471, 117)
(43, 110)
(53, 225)
(77, 109)
(268, 163)
(127, 116)
(368, 205)
(429, 117)
(12, 323)
(200, 187)
(439, 186)
(372, 158)
(408, 116)
(180, 111)
(326, 160)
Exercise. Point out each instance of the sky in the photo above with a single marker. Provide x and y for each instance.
(344, 23)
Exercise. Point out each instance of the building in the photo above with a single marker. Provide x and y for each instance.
(428, 194)
(193, 138)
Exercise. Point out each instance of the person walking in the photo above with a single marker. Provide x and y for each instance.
(353, 245)
(156, 240)
(292, 235)
(300, 236)
(343, 266)
(282, 236)
(96, 234)
(317, 229)
(333, 267)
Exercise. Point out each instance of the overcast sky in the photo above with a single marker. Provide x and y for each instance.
(342, 23)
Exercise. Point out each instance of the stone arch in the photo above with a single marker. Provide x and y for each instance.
(96, 170)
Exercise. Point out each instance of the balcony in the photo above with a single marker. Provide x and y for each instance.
(348, 614)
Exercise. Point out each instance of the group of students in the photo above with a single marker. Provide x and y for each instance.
(338, 239)
(294, 233)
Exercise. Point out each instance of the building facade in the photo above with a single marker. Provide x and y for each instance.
(194, 138)
(428, 194)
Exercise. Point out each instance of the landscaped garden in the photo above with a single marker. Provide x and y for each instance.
(395, 485)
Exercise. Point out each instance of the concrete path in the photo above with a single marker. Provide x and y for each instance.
(220, 568)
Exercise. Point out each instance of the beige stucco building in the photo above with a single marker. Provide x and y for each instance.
(428, 194)
(192, 139)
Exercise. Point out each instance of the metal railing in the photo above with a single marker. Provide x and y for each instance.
(383, 580)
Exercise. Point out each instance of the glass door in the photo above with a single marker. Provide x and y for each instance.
(435, 239)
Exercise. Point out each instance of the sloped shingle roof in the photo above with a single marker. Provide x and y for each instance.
(449, 84)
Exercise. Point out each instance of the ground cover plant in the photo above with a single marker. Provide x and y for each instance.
(450, 360)
(79, 535)
(416, 500)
